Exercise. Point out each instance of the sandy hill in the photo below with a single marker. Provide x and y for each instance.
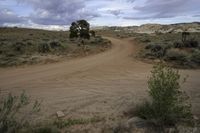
(153, 28)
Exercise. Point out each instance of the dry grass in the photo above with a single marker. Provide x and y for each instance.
(29, 46)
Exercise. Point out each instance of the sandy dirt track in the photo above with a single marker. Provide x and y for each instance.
(104, 84)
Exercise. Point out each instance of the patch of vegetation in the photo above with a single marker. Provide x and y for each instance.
(168, 104)
(16, 114)
(70, 122)
(48, 128)
(156, 50)
(11, 118)
(176, 54)
(195, 56)
(29, 46)
(175, 48)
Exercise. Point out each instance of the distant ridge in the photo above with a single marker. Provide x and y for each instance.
(158, 28)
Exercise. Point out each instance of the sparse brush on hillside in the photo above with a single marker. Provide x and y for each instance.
(29, 46)
(168, 103)
(174, 48)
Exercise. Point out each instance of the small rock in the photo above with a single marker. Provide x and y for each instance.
(137, 122)
(195, 118)
(60, 114)
(185, 129)
(157, 61)
(170, 130)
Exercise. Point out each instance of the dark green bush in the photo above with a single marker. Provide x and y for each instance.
(19, 47)
(168, 104)
(178, 44)
(54, 44)
(43, 47)
(157, 50)
(192, 43)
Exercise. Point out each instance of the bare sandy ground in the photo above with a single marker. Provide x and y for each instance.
(104, 85)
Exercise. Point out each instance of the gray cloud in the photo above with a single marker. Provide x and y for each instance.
(7, 16)
(61, 12)
(115, 12)
(131, 1)
(155, 9)
(198, 15)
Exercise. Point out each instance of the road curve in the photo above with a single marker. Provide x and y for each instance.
(104, 84)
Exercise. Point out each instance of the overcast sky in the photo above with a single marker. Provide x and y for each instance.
(58, 14)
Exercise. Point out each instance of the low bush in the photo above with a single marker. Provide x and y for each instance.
(176, 54)
(19, 47)
(10, 107)
(195, 56)
(43, 129)
(145, 40)
(168, 104)
(70, 122)
(192, 43)
(98, 39)
(43, 47)
(54, 44)
(157, 50)
(178, 44)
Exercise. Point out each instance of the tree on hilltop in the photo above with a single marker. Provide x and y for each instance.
(80, 28)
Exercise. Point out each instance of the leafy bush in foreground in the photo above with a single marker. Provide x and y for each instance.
(11, 120)
(168, 104)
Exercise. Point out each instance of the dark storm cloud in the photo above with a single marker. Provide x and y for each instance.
(59, 12)
(115, 12)
(7, 16)
(155, 9)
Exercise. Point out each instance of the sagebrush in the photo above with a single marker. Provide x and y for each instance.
(168, 103)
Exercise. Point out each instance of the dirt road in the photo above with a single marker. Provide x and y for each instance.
(104, 84)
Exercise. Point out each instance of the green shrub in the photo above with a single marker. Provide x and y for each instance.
(45, 129)
(192, 43)
(157, 50)
(145, 40)
(195, 56)
(168, 104)
(98, 39)
(178, 44)
(9, 109)
(175, 54)
(70, 122)
(54, 44)
(19, 47)
(43, 47)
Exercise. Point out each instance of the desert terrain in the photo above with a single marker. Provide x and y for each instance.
(102, 85)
